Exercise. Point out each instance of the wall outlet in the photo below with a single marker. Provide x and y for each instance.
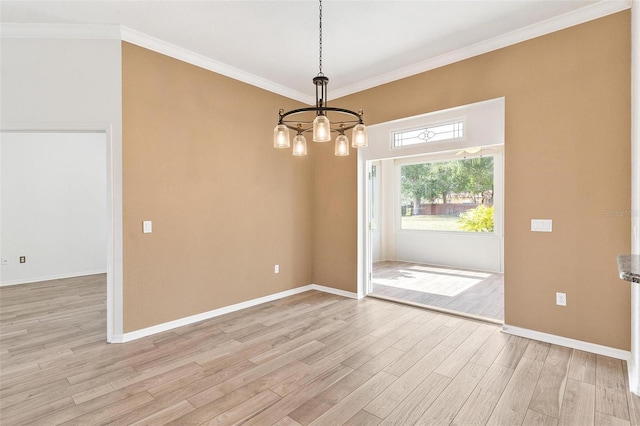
(276, 269)
(561, 299)
(23, 259)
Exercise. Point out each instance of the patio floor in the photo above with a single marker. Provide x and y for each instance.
(474, 293)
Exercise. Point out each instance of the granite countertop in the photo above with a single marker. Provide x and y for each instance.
(629, 267)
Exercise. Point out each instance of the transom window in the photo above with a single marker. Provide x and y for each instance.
(439, 132)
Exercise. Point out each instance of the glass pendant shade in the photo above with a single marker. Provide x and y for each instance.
(314, 119)
(281, 136)
(342, 146)
(299, 145)
(359, 137)
(321, 129)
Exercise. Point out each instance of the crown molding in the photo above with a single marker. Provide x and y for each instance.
(143, 40)
(117, 32)
(585, 14)
(570, 19)
(79, 31)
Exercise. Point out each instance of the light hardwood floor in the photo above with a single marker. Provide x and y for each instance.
(428, 286)
(312, 358)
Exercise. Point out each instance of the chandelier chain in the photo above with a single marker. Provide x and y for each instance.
(301, 120)
(320, 61)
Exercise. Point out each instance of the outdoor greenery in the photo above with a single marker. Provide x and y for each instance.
(438, 181)
(431, 223)
(479, 219)
(464, 181)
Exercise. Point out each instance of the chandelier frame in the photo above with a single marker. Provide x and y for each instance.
(321, 125)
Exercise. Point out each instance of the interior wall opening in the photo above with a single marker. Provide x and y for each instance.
(55, 209)
(433, 211)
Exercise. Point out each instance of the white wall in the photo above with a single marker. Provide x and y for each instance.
(53, 205)
(72, 81)
(484, 127)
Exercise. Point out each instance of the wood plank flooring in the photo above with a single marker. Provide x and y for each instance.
(440, 287)
(309, 359)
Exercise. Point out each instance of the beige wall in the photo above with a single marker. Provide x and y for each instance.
(567, 158)
(226, 207)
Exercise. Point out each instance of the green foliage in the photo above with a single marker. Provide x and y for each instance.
(478, 178)
(479, 219)
(427, 182)
(414, 180)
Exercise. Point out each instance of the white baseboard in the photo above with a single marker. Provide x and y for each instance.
(569, 343)
(52, 277)
(335, 291)
(138, 334)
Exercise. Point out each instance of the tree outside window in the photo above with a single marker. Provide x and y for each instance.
(452, 195)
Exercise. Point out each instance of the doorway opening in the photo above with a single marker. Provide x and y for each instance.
(56, 221)
(433, 211)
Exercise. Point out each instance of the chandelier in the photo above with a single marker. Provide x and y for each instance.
(300, 121)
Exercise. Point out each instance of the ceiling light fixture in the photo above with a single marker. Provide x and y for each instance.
(299, 120)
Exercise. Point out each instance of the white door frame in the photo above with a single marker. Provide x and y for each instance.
(380, 148)
(114, 216)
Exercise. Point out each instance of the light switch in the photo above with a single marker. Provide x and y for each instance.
(541, 225)
(146, 227)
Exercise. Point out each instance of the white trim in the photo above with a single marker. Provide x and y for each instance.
(138, 334)
(79, 31)
(148, 42)
(394, 240)
(53, 277)
(569, 19)
(111, 31)
(363, 229)
(114, 211)
(634, 363)
(567, 342)
(121, 32)
(335, 291)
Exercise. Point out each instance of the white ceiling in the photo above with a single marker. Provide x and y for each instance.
(365, 43)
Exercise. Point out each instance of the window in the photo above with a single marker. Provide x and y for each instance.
(440, 132)
(455, 195)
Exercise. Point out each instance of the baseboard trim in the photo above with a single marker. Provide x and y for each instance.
(138, 334)
(569, 343)
(52, 277)
(335, 291)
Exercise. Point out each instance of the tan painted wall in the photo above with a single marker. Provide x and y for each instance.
(567, 158)
(226, 206)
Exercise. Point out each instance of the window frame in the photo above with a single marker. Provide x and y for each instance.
(448, 141)
(440, 158)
